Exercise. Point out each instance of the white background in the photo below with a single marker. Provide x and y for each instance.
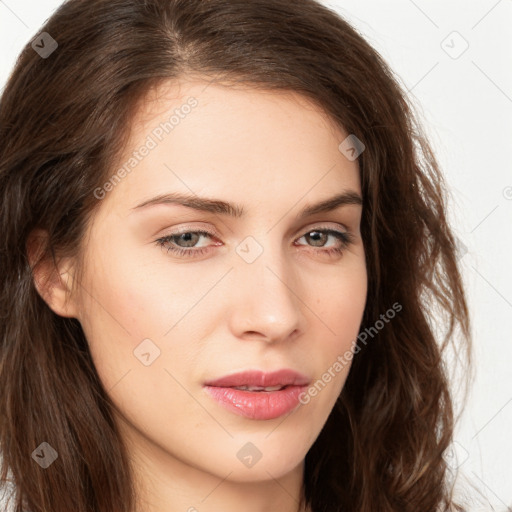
(465, 102)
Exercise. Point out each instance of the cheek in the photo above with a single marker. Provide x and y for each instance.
(133, 315)
(125, 325)
(116, 316)
(341, 303)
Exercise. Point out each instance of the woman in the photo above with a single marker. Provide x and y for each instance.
(224, 242)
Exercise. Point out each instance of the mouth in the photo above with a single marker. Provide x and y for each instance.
(259, 388)
(257, 395)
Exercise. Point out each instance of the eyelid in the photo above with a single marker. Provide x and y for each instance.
(193, 229)
(310, 226)
(304, 229)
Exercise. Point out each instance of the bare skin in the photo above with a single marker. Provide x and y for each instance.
(213, 313)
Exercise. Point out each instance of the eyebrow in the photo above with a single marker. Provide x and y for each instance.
(218, 206)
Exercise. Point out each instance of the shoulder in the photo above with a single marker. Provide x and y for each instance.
(7, 491)
(7, 496)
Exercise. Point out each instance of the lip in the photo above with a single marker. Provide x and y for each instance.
(284, 377)
(259, 405)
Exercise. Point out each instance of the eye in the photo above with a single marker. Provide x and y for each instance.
(188, 237)
(318, 237)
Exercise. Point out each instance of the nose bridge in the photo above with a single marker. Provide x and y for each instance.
(263, 260)
(267, 300)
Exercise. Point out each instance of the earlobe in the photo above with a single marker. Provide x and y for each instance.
(53, 282)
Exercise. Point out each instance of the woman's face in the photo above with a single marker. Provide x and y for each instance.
(264, 289)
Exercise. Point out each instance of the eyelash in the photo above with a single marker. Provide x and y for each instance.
(344, 237)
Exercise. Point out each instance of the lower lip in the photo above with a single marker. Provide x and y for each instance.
(257, 405)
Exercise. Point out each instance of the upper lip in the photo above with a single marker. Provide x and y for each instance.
(284, 377)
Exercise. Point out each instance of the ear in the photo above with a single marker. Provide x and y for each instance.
(53, 281)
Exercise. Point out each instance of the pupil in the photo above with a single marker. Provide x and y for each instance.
(314, 236)
(186, 237)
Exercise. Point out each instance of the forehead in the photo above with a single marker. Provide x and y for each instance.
(233, 141)
(229, 97)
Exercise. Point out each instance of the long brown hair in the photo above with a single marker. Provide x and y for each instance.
(64, 121)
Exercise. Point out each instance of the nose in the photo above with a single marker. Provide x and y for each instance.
(266, 302)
